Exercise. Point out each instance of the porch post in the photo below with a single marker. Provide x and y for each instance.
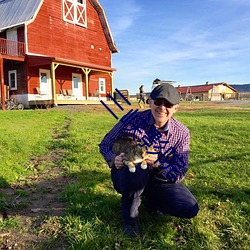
(53, 79)
(112, 84)
(2, 84)
(86, 72)
(53, 83)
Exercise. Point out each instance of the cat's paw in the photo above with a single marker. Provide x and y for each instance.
(132, 170)
(144, 166)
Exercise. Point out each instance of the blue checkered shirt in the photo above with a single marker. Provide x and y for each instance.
(175, 136)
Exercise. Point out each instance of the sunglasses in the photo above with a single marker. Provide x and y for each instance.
(159, 102)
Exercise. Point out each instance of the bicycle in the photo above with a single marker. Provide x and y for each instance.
(12, 104)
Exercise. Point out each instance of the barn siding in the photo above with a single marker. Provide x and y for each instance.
(50, 35)
(63, 77)
(94, 84)
(33, 78)
(21, 77)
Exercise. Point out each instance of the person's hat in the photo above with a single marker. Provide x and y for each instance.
(166, 91)
(156, 81)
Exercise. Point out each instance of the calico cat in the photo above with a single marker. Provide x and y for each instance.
(133, 152)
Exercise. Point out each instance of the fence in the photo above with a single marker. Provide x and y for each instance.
(244, 96)
(12, 48)
(217, 96)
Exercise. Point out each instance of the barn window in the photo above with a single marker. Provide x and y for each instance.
(12, 80)
(102, 86)
(43, 77)
(74, 11)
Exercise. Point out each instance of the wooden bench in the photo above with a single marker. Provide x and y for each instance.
(124, 92)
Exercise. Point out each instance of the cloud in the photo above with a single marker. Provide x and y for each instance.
(190, 43)
(122, 15)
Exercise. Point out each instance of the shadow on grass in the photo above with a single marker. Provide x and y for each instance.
(221, 193)
(227, 210)
(229, 157)
(94, 219)
(31, 212)
(3, 182)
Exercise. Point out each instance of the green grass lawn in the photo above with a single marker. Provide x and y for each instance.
(218, 176)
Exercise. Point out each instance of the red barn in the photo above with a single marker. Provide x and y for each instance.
(56, 52)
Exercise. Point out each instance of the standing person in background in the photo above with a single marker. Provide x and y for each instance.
(142, 98)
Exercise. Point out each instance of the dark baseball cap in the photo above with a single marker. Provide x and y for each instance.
(166, 91)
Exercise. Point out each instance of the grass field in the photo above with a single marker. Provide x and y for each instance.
(64, 141)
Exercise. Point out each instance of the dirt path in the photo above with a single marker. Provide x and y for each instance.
(34, 203)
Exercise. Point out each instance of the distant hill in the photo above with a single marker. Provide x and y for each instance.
(241, 87)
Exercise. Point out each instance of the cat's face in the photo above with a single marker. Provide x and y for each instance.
(142, 151)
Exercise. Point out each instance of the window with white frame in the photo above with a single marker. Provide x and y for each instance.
(102, 86)
(12, 80)
(74, 11)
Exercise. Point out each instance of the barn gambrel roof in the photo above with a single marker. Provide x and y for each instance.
(105, 25)
(18, 12)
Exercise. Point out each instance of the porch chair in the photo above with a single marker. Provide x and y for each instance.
(70, 92)
(64, 93)
(38, 91)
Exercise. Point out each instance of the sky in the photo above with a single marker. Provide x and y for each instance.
(187, 41)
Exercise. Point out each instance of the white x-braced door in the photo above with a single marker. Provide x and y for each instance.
(74, 11)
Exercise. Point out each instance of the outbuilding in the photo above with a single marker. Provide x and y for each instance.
(207, 92)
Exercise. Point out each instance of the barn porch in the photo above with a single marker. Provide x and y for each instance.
(50, 103)
(61, 90)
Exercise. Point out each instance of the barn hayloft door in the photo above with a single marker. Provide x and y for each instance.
(74, 11)
(12, 46)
